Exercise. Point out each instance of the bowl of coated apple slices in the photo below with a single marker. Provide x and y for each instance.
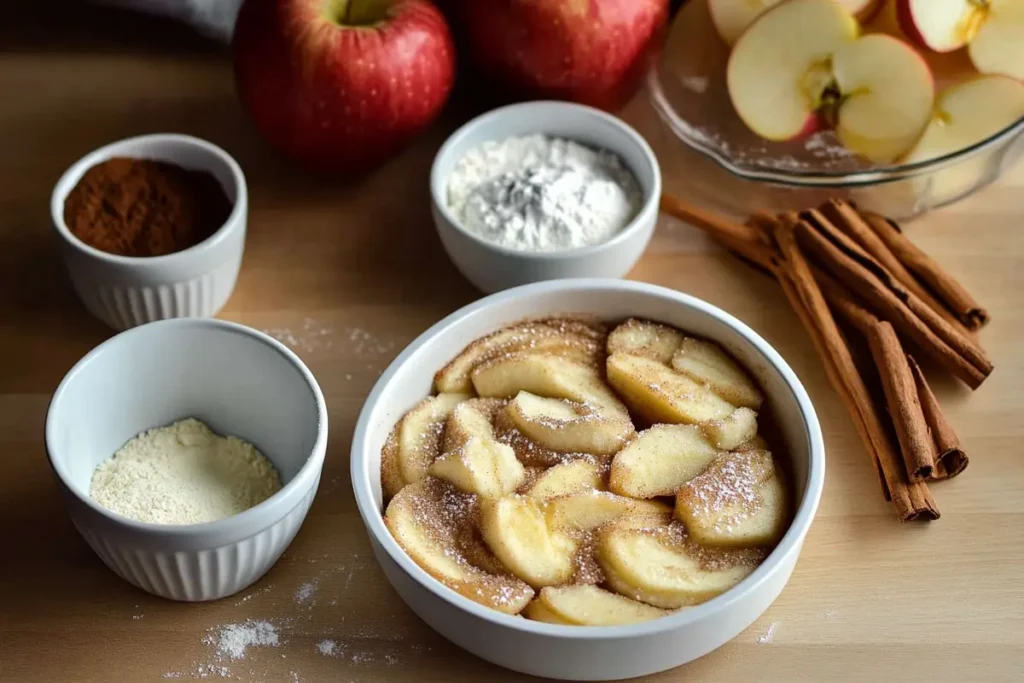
(588, 479)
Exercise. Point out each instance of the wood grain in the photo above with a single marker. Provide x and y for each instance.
(348, 276)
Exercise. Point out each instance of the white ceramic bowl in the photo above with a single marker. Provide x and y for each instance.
(491, 267)
(235, 379)
(571, 652)
(125, 291)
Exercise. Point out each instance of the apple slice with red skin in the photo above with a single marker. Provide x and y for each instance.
(992, 30)
(340, 86)
(875, 90)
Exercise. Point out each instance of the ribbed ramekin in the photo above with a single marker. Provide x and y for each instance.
(125, 291)
(235, 379)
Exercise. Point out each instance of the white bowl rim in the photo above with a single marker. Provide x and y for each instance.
(228, 525)
(373, 518)
(102, 153)
(649, 206)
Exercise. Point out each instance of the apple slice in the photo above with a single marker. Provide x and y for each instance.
(660, 394)
(588, 606)
(940, 25)
(416, 441)
(967, 113)
(432, 546)
(481, 466)
(998, 47)
(471, 418)
(645, 338)
(565, 479)
(587, 510)
(517, 532)
(739, 501)
(732, 431)
(549, 376)
(705, 362)
(568, 427)
(886, 95)
(663, 569)
(575, 340)
(660, 460)
(775, 81)
(876, 90)
(732, 17)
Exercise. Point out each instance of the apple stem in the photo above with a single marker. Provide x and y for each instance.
(356, 12)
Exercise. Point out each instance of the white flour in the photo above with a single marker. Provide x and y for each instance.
(539, 193)
(183, 474)
(232, 640)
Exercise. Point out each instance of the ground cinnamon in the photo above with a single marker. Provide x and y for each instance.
(141, 207)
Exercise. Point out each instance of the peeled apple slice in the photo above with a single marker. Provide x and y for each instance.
(416, 441)
(653, 568)
(517, 532)
(432, 546)
(588, 606)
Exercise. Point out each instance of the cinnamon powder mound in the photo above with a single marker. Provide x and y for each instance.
(141, 207)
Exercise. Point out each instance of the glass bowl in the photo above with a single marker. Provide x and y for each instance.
(687, 88)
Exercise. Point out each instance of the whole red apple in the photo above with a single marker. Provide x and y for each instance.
(590, 51)
(340, 85)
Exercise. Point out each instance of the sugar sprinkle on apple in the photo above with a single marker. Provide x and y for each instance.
(876, 91)
(341, 85)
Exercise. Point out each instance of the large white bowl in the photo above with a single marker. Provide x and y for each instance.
(235, 379)
(572, 652)
(125, 291)
(492, 267)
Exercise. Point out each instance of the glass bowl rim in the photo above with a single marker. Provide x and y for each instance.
(795, 178)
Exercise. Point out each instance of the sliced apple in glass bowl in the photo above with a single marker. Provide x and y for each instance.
(992, 30)
(732, 17)
(966, 114)
(876, 91)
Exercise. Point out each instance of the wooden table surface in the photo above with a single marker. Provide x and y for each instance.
(347, 276)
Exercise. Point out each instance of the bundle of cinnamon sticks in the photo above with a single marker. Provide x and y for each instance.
(838, 263)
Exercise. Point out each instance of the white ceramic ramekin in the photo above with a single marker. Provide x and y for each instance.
(235, 379)
(491, 267)
(125, 291)
(571, 652)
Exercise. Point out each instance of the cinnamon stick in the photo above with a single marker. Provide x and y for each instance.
(842, 215)
(919, 451)
(945, 286)
(740, 238)
(912, 499)
(950, 459)
(857, 270)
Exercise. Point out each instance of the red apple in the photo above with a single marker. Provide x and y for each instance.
(590, 51)
(341, 85)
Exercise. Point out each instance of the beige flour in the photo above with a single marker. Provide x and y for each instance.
(184, 474)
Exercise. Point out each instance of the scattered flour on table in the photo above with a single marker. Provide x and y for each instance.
(768, 636)
(232, 640)
(328, 648)
(309, 336)
(306, 593)
(831, 614)
(542, 193)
